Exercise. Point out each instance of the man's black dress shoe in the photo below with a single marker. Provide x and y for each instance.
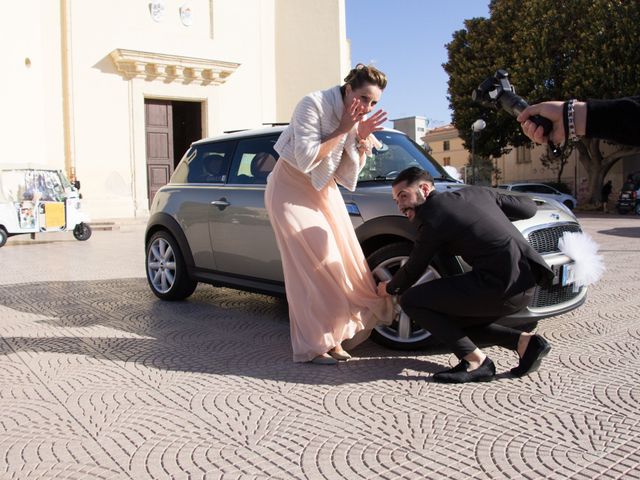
(536, 350)
(459, 373)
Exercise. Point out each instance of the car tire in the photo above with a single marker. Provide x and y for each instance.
(637, 209)
(403, 333)
(622, 211)
(3, 236)
(166, 269)
(82, 232)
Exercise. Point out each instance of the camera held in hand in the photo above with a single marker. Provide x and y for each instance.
(496, 92)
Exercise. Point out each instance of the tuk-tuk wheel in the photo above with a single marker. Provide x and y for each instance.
(82, 232)
(3, 236)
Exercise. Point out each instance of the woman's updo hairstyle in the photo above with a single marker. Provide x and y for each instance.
(363, 75)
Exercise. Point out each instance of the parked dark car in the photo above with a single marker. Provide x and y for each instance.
(209, 224)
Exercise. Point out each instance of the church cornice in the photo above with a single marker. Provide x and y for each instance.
(171, 68)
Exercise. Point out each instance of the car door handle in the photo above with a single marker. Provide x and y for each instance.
(221, 203)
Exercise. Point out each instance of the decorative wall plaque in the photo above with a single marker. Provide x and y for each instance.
(156, 9)
(186, 14)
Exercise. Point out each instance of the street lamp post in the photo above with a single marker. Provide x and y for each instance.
(476, 127)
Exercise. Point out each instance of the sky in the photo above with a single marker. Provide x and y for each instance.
(406, 40)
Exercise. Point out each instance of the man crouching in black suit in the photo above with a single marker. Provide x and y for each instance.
(473, 223)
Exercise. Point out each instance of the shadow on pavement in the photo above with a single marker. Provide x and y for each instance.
(632, 232)
(216, 331)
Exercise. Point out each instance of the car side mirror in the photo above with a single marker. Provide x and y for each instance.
(76, 183)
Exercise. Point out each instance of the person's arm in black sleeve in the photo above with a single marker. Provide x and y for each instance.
(617, 120)
(515, 207)
(518, 207)
(423, 251)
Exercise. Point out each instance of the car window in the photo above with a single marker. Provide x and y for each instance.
(397, 153)
(544, 189)
(519, 188)
(532, 189)
(205, 163)
(253, 160)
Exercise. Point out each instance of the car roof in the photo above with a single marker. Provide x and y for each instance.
(242, 133)
(522, 183)
(256, 132)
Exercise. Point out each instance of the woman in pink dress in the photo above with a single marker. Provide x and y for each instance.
(330, 289)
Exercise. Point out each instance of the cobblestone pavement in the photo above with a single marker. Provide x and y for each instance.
(99, 379)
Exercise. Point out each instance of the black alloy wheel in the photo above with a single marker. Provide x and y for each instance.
(403, 333)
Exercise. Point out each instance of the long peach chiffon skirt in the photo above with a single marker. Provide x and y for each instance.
(330, 289)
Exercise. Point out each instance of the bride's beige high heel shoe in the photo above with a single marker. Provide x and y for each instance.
(339, 355)
(324, 359)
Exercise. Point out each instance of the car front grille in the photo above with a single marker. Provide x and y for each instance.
(545, 240)
(554, 295)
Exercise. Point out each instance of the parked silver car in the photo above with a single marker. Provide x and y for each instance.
(542, 191)
(209, 224)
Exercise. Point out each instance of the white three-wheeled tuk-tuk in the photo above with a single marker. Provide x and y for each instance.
(37, 199)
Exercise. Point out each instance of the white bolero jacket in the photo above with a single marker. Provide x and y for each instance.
(315, 117)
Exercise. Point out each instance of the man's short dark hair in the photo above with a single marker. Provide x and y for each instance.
(412, 175)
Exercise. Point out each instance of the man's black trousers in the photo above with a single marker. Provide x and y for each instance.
(460, 309)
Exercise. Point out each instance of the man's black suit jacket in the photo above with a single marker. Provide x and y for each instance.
(473, 223)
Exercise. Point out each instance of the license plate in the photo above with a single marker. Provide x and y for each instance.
(568, 274)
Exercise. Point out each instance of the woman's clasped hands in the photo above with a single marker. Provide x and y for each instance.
(355, 114)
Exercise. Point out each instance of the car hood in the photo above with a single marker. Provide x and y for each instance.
(375, 201)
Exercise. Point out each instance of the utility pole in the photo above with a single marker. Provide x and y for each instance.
(476, 128)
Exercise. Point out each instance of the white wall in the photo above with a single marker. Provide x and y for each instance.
(310, 50)
(31, 118)
(284, 48)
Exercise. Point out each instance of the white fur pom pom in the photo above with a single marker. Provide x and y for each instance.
(583, 250)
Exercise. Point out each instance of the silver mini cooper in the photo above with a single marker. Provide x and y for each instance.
(209, 224)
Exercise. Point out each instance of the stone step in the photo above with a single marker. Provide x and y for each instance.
(104, 226)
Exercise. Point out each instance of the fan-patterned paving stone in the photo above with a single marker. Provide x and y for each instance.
(622, 313)
(100, 379)
(46, 436)
(618, 368)
(585, 331)
(623, 399)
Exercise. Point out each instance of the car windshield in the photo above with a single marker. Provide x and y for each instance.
(397, 153)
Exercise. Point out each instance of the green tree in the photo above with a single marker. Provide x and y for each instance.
(556, 163)
(553, 49)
